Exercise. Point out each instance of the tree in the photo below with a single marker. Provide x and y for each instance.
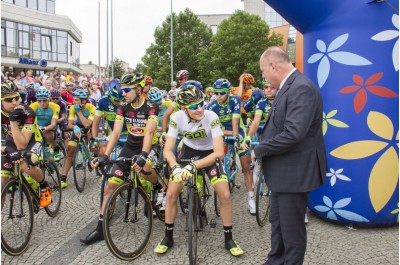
(190, 37)
(236, 48)
(119, 69)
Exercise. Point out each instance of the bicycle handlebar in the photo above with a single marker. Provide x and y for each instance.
(104, 139)
(123, 160)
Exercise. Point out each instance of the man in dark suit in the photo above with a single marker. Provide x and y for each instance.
(293, 154)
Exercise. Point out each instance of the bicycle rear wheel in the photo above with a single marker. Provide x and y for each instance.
(79, 168)
(128, 222)
(52, 176)
(16, 218)
(263, 201)
(192, 223)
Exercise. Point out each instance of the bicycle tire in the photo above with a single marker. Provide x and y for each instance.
(79, 164)
(54, 180)
(192, 225)
(232, 168)
(8, 223)
(263, 201)
(216, 205)
(118, 230)
(183, 199)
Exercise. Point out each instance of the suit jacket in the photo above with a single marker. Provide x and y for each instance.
(292, 145)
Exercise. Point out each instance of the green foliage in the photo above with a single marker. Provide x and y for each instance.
(190, 37)
(119, 69)
(235, 49)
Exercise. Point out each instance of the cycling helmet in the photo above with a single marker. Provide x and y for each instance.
(182, 74)
(55, 93)
(163, 92)
(193, 83)
(189, 95)
(148, 80)
(31, 97)
(248, 78)
(80, 93)
(42, 93)
(172, 93)
(30, 86)
(69, 84)
(8, 90)
(155, 95)
(222, 85)
(209, 89)
(256, 95)
(133, 79)
(114, 90)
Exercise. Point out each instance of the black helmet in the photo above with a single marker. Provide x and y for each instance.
(133, 79)
(8, 89)
(189, 95)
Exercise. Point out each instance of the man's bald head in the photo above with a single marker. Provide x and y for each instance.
(275, 53)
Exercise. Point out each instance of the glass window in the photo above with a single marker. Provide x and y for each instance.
(54, 43)
(35, 38)
(61, 33)
(19, 26)
(3, 23)
(54, 56)
(46, 43)
(24, 53)
(3, 36)
(71, 47)
(61, 45)
(50, 6)
(32, 4)
(23, 39)
(11, 37)
(8, 1)
(36, 55)
(214, 29)
(62, 57)
(20, 3)
(10, 24)
(42, 5)
(45, 31)
(45, 55)
(11, 51)
(3, 51)
(25, 27)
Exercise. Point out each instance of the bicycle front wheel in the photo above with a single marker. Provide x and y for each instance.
(52, 176)
(183, 197)
(16, 218)
(263, 201)
(128, 222)
(192, 225)
(79, 168)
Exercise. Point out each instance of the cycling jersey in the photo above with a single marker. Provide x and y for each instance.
(63, 106)
(263, 107)
(88, 113)
(228, 111)
(162, 109)
(136, 120)
(110, 112)
(197, 135)
(44, 116)
(68, 97)
(246, 95)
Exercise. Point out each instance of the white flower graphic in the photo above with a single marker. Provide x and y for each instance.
(336, 175)
(325, 53)
(336, 209)
(389, 35)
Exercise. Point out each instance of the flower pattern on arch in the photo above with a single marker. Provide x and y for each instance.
(335, 175)
(396, 211)
(336, 209)
(327, 119)
(384, 174)
(362, 87)
(389, 35)
(330, 52)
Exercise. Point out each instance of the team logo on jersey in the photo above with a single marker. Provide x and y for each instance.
(196, 134)
(213, 172)
(173, 124)
(118, 173)
(215, 122)
(7, 165)
(237, 107)
(111, 107)
(136, 130)
(132, 114)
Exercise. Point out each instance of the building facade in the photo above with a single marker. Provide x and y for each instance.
(34, 37)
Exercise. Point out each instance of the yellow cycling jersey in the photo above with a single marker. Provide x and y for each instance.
(88, 112)
(44, 116)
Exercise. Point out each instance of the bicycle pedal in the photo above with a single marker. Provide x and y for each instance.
(237, 186)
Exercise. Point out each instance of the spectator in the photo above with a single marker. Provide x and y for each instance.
(17, 81)
(47, 84)
(173, 85)
(29, 78)
(95, 93)
(56, 73)
(23, 80)
(37, 82)
(11, 70)
(81, 78)
(67, 94)
(45, 76)
(56, 84)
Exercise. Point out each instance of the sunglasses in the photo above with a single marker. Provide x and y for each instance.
(220, 93)
(10, 100)
(127, 89)
(54, 99)
(196, 106)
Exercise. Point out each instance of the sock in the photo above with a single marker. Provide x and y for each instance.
(250, 194)
(169, 231)
(228, 233)
(64, 178)
(99, 227)
(157, 186)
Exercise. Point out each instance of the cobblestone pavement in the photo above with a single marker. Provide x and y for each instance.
(56, 240)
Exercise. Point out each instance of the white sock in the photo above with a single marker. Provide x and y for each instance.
(250, 194)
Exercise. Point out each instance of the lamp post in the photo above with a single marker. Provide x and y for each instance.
(172, 46)
(112, 41)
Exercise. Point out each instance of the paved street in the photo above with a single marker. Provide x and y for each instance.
(56, 240)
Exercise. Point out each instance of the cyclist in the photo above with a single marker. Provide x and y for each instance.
(250, 105)
(209, 94)
(83, 113)
(47, 114)
(55, 97)
(244, 91)
(227, 107)
(108, 106)
(202, 139)
(182, 76)
(155, 96)
(19, 132)
(31, 96)
(141, 129)
(148, 82)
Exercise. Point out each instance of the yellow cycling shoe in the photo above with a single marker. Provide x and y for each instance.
(234, 248)
(64, 184)
(164, 245)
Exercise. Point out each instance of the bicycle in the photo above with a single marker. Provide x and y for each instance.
(198, 194)
(263, 194)
(47, 154)
(129, 209)
(19, 201)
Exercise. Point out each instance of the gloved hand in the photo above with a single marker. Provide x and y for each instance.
(248, 121)
(101, 159)
(141, 159)
(42, 128)
(13, 154)
(77, 108)
(177, 173)
(245, 140)
(77, 129)
(18, 114)
(163, 137)
(188, 171)
(240, 141)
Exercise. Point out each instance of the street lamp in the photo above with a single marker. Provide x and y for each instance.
(172, 46)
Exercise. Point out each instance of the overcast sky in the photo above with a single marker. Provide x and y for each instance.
(134, 23)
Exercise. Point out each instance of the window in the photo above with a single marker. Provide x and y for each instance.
(11, 37)
(50, 6)
(3, 36)
(20, 3)
(61, 45)
(42, 5)
(214, 29)
(23, 39)
(46, 43)
(32, 4)
(8, 1)
(70, 48)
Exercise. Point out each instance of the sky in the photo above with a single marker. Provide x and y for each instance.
(134, 23)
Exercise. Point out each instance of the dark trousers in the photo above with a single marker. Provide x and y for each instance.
(288, 230)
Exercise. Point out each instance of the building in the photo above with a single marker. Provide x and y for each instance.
(213, 21)
(34, 37)
(91, 68)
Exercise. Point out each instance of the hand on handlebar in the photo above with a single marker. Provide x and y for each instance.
(188, 171)
(177, 173)
(163, 138)
(140, 161)
(99, 161)
(246, 142)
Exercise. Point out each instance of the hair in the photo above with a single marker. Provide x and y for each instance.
(277, 53)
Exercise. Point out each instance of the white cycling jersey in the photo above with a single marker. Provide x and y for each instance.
(197, 135)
